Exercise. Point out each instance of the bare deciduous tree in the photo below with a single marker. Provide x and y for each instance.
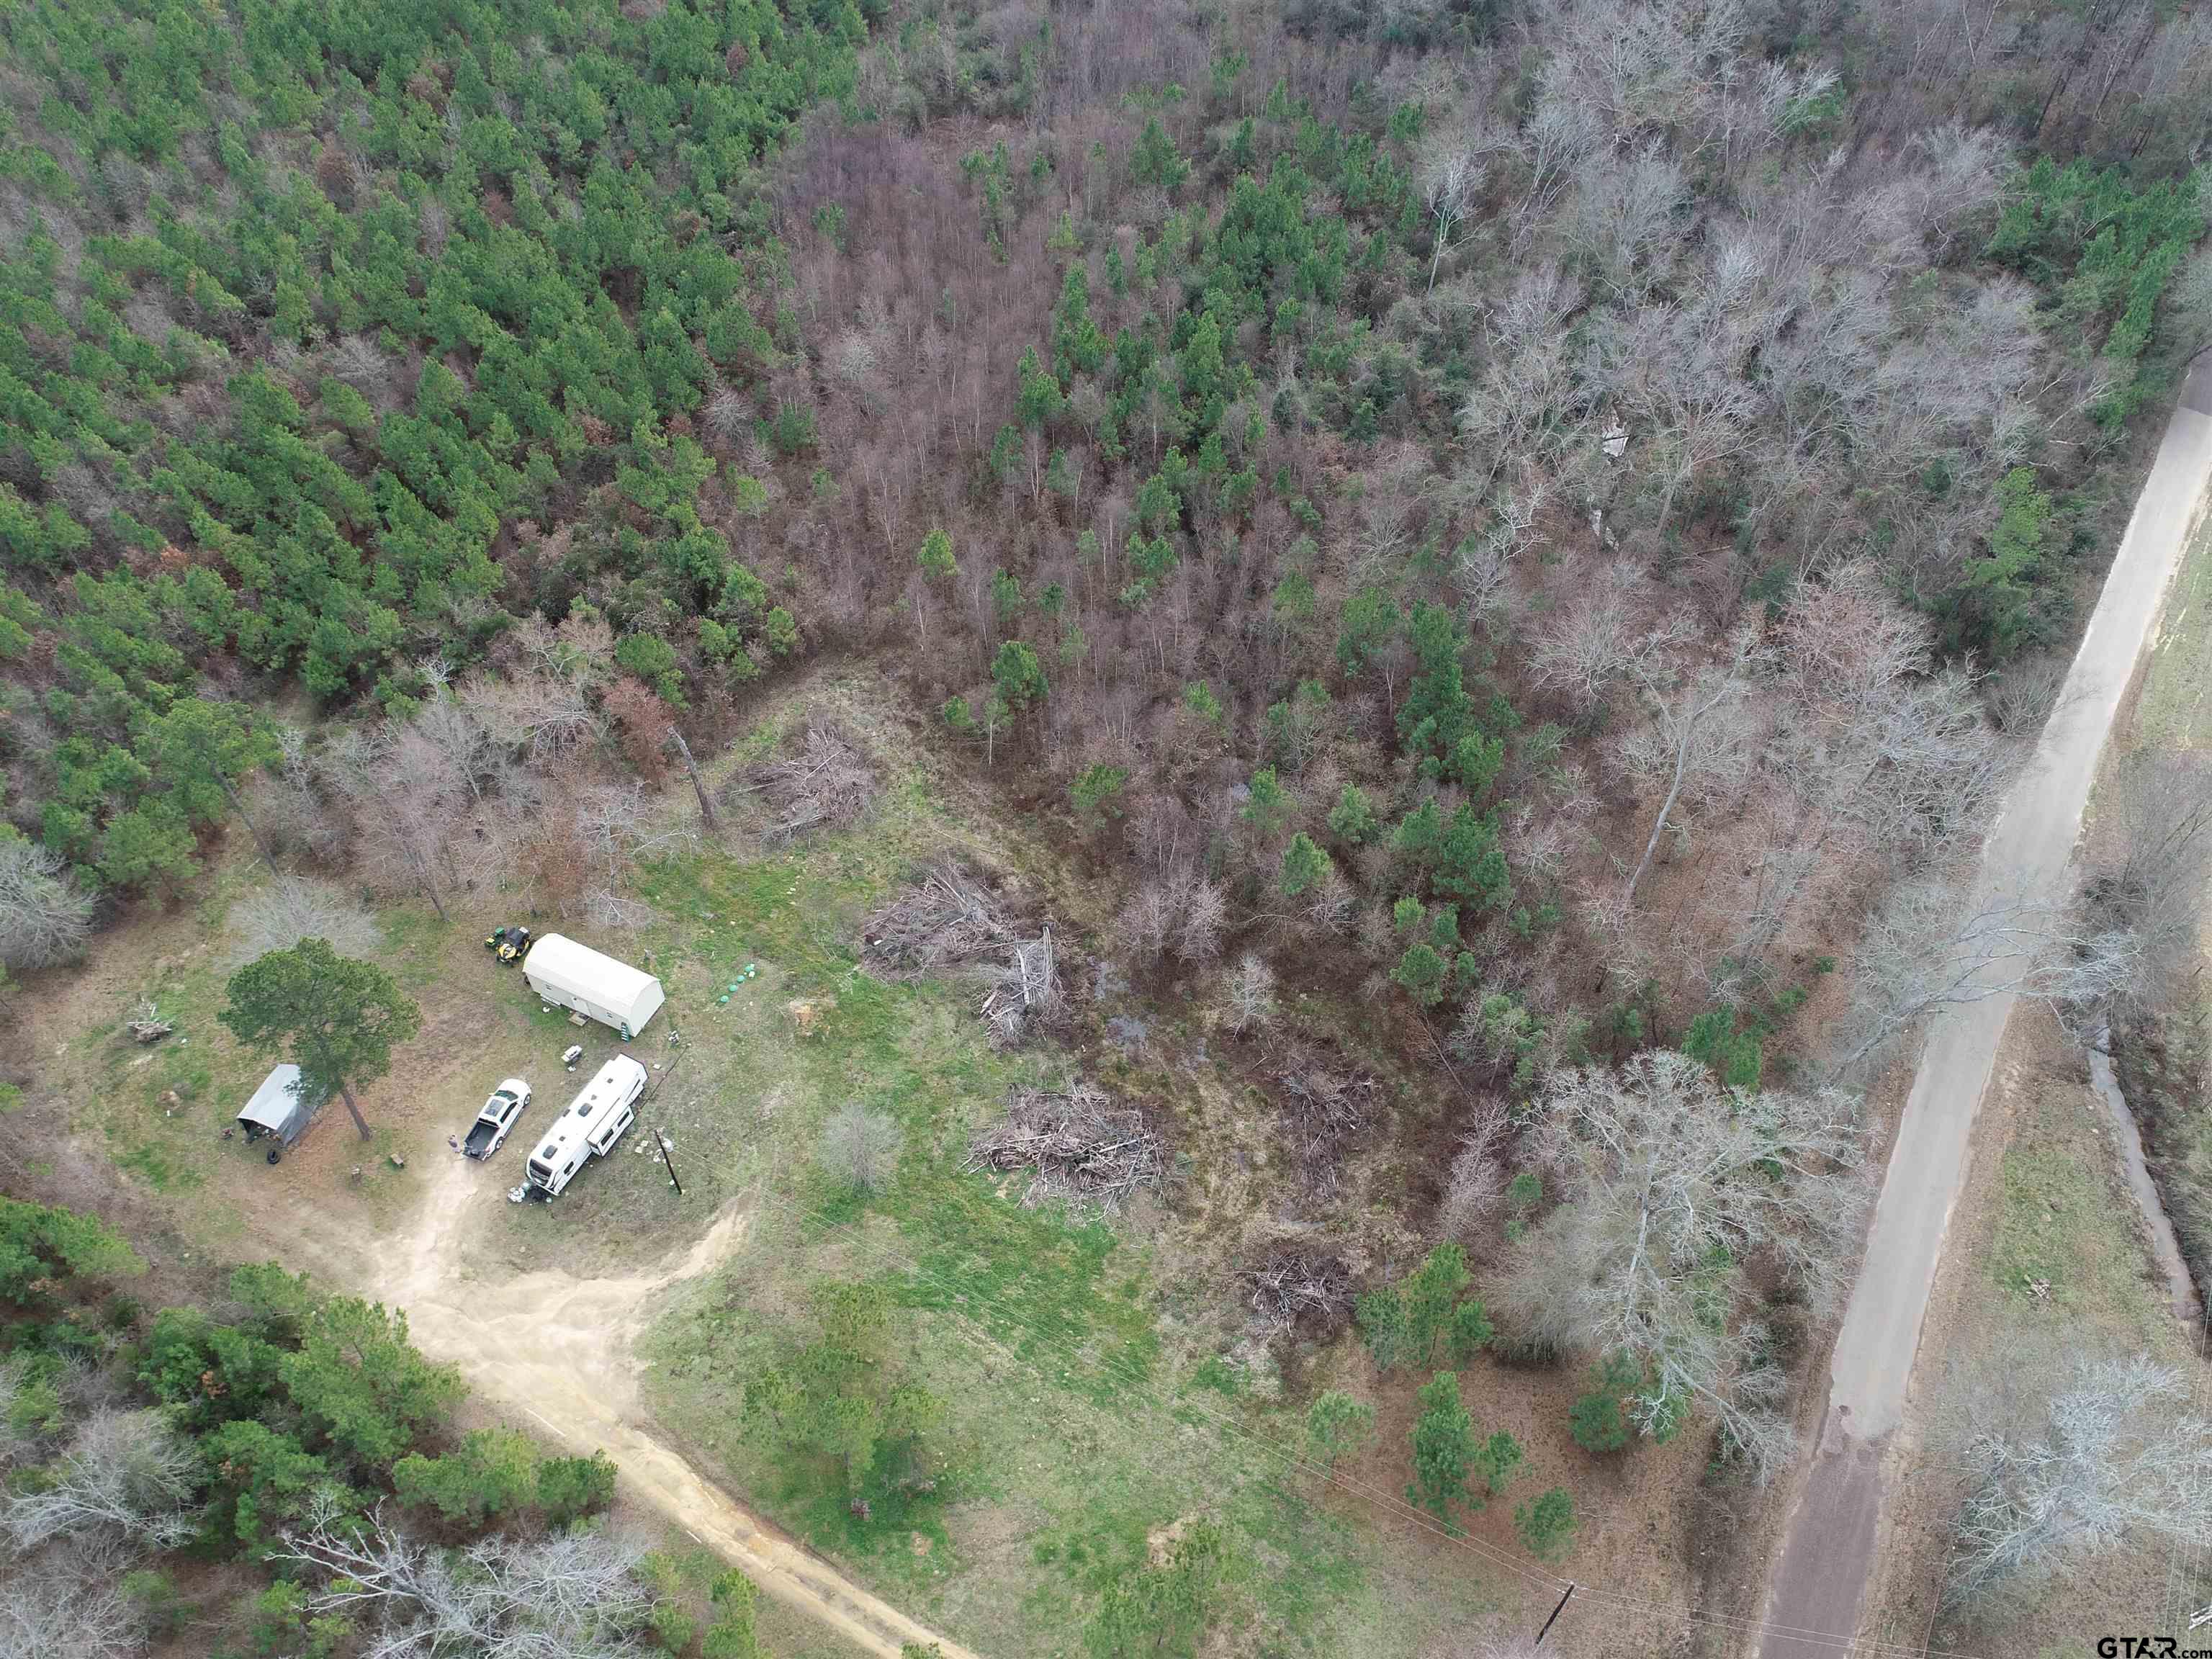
(569, 1593)
(411, 797)
(291, 909)
(125, 1475)
(2116, 1454)
(1449, 171)
(1601, 635)
(1476, 1186)
(1874, 753)
(1198, 926)
(1699, 733)
(1251, 991)
(1146, 920)
(1929, 944)
(2138, 914)
(60, 1609)
(859, 1147)
(540, 715)
(1664, 1173)
(45, 918)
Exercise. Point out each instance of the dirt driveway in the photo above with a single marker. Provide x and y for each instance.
(561, 1349)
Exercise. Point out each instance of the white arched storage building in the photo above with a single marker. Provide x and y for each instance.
(572, 975)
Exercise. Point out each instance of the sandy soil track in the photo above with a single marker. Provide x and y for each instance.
(560, 1349)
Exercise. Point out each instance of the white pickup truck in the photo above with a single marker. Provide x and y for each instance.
(497, 1120)
(595, 1120)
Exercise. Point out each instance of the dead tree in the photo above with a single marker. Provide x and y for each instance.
(1661, 1173)
(2116, 1454)
(44, 916)
(1694, 735)
(564, 1593)
(691, 771)
(125, 1475)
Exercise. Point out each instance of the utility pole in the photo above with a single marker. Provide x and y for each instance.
(661, 1141)
(1554, 1619)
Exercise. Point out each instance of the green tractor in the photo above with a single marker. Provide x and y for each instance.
(508, 944)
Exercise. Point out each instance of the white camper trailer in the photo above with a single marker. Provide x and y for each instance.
(595, 1120)
(572, 975)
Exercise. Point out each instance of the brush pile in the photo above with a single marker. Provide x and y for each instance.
(947, 923)
(826, 785)
(944, 922)
(1300, 1289)
(1323, 1112)
(1080, 1147)
(1023, 989)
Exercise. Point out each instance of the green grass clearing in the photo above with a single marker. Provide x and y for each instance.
(1084, 1416)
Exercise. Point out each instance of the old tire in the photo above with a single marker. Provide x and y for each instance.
(275, 1154)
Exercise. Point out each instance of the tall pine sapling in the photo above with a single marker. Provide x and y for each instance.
(336, 1018)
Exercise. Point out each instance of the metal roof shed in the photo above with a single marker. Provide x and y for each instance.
(573, 975)
(277, 1108)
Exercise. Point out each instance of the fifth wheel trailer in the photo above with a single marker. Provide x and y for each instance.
(594, 1121)
(572, 975)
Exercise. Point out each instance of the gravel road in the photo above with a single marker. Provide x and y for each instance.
(1819, 1576)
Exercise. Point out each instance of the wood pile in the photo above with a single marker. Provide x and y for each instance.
(1323, 1112)
(947, 924)
(1302, 1289)
(826, 785)
(1079, 1146)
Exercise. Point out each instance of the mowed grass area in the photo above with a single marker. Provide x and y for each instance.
(2065, 1224)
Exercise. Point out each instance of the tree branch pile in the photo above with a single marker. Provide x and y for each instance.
(1080, 1147)
(1298, 1288)
(1323, 1113)
(1022, 990)
(827, 784)
(943, 922)
(946, 923)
